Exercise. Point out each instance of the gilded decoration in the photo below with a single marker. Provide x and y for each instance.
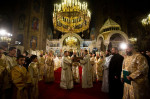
(71, 16)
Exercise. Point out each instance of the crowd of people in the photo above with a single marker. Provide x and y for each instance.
(123, 77)
(109, 68)
(19, 75)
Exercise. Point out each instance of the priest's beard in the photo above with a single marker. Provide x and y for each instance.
(129, 53)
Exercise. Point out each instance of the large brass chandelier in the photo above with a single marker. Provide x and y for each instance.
(71, 16)
(5, 36)
(146, 21)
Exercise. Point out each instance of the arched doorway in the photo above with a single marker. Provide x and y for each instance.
(71, 43)
(100, 44)
(115, 40)
(71, 34)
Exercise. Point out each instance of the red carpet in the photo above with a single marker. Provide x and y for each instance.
(53, 91)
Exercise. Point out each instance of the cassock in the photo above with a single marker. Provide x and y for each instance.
(92, 60)
(115, 85)
(75, 71)
(99, 68)
(87, 81)
(49, 70)
(41, 61)
(105, 84)
(34, 72)
(66, 74)
(21, 79)
(137, 66)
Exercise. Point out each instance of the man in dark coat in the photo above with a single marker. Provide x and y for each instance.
(115, 68)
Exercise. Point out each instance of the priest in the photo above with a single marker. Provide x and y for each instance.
(20, 79)
(105, 83)
(137, 66)
(115, 67)
(10, 63)
(75, 69)
(66, 73)
(92, 60)
(99, 66)
(41, 60)
(3, 73)
(49, 72)
(87, 81)
(34, 73)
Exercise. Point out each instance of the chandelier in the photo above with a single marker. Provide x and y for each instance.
(71, 16)
(146, 21)
(5, 37)
(133, 40)
(71, 41)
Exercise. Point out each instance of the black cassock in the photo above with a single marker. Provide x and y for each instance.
(115, 85)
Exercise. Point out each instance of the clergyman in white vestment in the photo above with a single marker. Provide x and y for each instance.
(105, 83)
(66, 73)
(87, 81)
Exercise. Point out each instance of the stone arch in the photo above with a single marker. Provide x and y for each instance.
(117, 32)
(71, 34)
(100, 35)
(115, 38)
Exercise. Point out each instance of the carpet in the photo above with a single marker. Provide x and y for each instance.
(53, 90)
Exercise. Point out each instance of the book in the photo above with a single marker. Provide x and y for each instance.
(126, 73)
(76, 59)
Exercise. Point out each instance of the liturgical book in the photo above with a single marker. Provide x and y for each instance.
(126, 73)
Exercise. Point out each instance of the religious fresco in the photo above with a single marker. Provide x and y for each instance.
(21, 22)
(36, 6)
(33, 43)
(20, 38)
(49, 33)
(92, 34)
(35, 23)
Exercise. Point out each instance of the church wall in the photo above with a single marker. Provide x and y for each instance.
(33, 27)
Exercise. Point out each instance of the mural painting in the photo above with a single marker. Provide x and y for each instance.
(33, 43)
(35, 23)
(21, 22)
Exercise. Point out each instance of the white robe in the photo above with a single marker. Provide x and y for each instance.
(105, 83)
(66, 74)
(87, 81)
